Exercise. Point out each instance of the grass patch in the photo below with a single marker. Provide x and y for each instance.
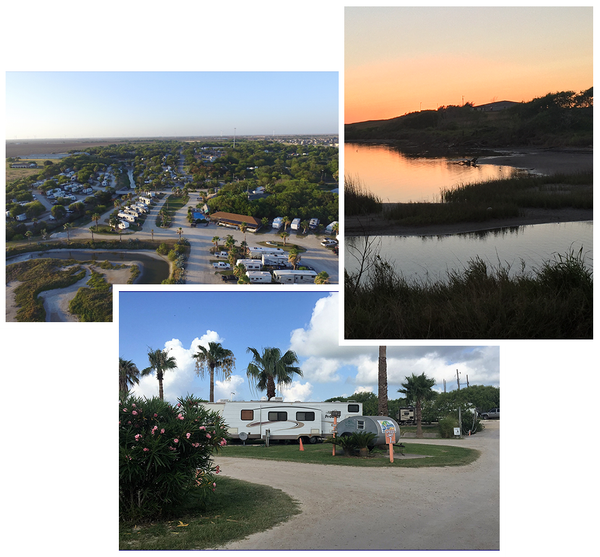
(39, 275)
(498, 199)
(240, 509)
(552, 302)
(358, 200)
(321, 453)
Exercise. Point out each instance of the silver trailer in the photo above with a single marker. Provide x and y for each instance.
(259, 276)
(294, 277)
(379, 425)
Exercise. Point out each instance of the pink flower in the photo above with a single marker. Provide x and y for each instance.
(176, 440)
(217, 469)
(146, 449)
(188, 435)
(202, 427)
(162, 430)
(208, 435)
(133, 405)
(134, 413)
(223, 442)
(124, 409)
(156, 415)
(137, 437)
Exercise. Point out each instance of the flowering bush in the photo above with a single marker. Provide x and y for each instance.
(165, 454)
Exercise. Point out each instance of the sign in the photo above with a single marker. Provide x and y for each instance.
(457, 431)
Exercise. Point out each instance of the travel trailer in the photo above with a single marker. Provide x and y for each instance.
(258, 251)
(259, 276)
(250, 264)
(277, 222)
(278, 420)
(287, 276)
(296, 224)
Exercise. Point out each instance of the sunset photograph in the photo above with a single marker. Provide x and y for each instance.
(468, 159)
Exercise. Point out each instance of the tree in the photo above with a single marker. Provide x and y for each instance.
(417, 389)
(294, 257)
(215, 241)
(129, 375)
(180, 232)
(284, 236)
(382, 398)
(67, 226)
(160, 361)
(322, 278)
(239, 270)
(271, 369)
(213, 358)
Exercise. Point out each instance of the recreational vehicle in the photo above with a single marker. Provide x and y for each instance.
(275, 259)
(259, 276)
(277, 222)
(258, 251)
(278, 420)
(287, 276)
(250, 264)
(296, 224)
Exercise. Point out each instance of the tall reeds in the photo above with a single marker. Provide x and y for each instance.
(358, 200)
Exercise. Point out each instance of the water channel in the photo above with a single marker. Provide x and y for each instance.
(398, 178)
(431, 257)
(153, 271)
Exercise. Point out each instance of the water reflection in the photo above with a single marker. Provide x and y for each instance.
(399, 178)
(432, 257)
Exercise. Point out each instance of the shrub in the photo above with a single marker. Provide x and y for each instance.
(446, 426)
(165, 455)
(353, 442)
(162, 249)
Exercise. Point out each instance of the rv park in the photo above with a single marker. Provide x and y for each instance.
(183, 192)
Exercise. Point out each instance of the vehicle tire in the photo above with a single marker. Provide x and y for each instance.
(314, 440)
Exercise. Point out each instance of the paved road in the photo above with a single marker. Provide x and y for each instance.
(451, 508)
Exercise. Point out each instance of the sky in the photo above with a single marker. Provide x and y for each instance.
(406, 59)
(84, 104)
(305, 322)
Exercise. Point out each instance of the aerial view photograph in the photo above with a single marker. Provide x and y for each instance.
(468, 163)
(166, 178)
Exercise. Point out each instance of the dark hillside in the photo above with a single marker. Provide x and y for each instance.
(562, 119)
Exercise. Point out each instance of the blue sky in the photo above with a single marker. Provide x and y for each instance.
(303, 321)
(46, 104)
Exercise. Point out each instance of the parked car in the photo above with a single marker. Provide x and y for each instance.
(228, 278)
(329, 243)
(493, 414)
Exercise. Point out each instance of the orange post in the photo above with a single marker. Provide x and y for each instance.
(301, 445)
(391, 452)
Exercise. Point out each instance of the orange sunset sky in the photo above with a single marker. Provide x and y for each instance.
(403, 59)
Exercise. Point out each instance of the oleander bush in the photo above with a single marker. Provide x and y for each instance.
(165, 455)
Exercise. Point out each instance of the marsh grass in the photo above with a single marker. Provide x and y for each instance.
(498, 199)
(358, 200)
(480, 301)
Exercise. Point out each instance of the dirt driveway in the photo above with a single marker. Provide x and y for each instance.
(447, 508)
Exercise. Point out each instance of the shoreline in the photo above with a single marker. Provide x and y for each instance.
(374, 224)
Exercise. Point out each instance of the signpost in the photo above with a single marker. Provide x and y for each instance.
(336, 414)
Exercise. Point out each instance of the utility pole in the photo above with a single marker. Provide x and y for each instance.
(444, 385)
(458, 379)
(467, 381)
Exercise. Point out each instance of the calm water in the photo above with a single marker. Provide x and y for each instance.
(154, 270)
(396, 178)
(419, 257)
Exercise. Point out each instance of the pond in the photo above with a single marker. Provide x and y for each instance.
(154, 270)
(398, 178)
(431, 257)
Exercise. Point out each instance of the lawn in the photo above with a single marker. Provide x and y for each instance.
(321, 453)
(239, 509)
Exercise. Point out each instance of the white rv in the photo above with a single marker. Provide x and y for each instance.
(277, 222)
(313, 223)
(274, 259)
(287, 276)
(296, 224)
(278, 420)
(259, 251)
(250, 264)
(259, 276)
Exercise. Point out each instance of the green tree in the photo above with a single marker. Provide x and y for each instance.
(160, 361)
(271, 369)
(294, 257)
(211, 359)
(129, 375)
(322, 278)
(417, 389)
(284, 236)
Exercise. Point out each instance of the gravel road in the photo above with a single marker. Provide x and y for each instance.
(450, 508)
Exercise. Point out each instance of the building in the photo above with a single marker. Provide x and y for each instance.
(231, 219)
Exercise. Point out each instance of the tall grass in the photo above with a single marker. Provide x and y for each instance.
(552, 302)
(358, 200)
(498, 199)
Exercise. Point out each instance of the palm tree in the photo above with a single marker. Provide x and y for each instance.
(286, 222)
(67, 226)
(96, 218)
(239, 270)
(304, 225)
(382, 398)
(294, 257)
(129, 375)
(243, 229)
(272, 369)
(180, 232)
(417, 389)
(284, 236)
(160, 361)
(322, 278)
(215, 241)
(215, 357)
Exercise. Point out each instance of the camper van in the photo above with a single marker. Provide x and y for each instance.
(278, 420)
(275, 259)
(286, 276)
(296, 224)
(277, 222)
(258, 251)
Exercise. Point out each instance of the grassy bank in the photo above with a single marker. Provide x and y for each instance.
(239, 509)
(358, 200)
(553, 302)
(498, 199)
(438, 455)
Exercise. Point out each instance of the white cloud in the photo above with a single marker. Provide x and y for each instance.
(320, 370)
(234, 384)
(296, 391)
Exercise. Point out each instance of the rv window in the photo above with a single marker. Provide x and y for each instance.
(305, 416)
(353, 408)
(360, 424)
(247, 414)
(277, 416)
